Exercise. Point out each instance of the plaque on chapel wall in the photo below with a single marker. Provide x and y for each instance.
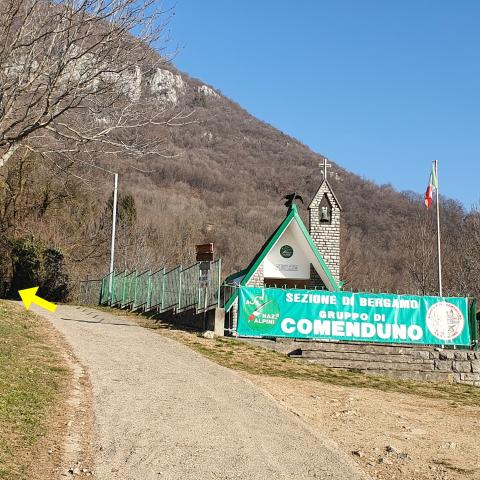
(287, 268)
(286, 251)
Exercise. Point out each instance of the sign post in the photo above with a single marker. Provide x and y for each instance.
(205, 255)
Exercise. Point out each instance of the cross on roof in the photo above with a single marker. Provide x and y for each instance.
(325, 165)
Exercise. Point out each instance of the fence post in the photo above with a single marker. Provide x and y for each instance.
(118, 293)
(163, 290)
(107, 298)
(199, 293)
(111, 297)
(219, 282)
(134, 281)
(474, 324)
(124, 287)
(149, 291)
(101, 293)
(180, 275)
(135, 290)
(114, 285)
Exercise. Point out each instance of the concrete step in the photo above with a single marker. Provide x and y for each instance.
(418, 376)
(363, 347)
(363, 356)
(375, 365)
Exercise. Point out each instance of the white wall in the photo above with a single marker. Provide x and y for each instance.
(295, 267)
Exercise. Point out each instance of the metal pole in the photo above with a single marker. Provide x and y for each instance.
(205, 309)
(114, 222)
(440, 290)
(163, 290)
(219, 285)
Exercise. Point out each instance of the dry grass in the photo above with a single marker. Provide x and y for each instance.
(32, 376)
(240, 355)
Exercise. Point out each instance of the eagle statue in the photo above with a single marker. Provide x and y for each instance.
(291, 197)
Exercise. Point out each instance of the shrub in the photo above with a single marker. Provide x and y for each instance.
(26, 264)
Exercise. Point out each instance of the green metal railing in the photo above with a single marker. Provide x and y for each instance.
(157, 280)
(115, 297)
(128, 289)
(190, 287)
(211, 292)
(171, 289)
(178, 289)
(142, 290)
(104, 288)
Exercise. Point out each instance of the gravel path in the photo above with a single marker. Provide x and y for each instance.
(165, 412)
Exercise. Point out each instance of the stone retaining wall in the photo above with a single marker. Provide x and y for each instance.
(213, 320)
(410, 362)
(465, 365)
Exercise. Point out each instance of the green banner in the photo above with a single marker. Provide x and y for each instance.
(315, 314)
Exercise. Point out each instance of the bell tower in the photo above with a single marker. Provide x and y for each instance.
(324, 223)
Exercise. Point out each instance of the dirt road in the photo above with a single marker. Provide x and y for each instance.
(164, 412)
(394, 436)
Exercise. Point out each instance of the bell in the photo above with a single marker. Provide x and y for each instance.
(324, 214)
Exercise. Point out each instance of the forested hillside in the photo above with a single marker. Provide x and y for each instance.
(219, 176)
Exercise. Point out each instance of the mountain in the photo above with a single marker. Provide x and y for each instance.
(221, 179)
(229, 172)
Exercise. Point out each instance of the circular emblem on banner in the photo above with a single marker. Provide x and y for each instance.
(445, 321)
(286, 251)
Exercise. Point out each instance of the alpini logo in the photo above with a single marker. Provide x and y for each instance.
(261, 312)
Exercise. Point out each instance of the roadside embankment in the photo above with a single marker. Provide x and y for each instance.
(37, 377)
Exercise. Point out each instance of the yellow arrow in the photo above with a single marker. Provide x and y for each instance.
(29, 296)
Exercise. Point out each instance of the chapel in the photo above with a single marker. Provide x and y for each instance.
(295, 257)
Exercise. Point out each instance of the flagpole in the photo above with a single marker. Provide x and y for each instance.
(440, 290)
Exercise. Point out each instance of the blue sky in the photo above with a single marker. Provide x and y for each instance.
(380, 87)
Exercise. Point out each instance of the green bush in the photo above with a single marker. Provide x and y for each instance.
(54, 284)
(33, 265)
(26, 263)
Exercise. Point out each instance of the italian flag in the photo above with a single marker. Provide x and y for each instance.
(432, 185)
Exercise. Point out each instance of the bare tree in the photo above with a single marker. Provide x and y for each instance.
(71, 77)
(419, 244)
(462, 259)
